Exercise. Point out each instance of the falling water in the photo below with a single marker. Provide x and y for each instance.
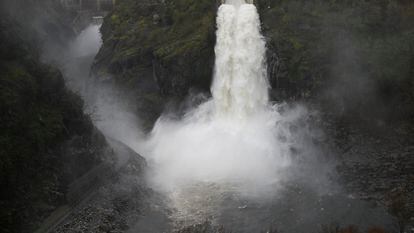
(235, 138)
(240, 86)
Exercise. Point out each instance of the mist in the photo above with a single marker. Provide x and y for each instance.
(107, 106)
(348, 73)
(87, 43)
(73, 53)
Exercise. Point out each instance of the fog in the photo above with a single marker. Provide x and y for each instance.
(104, 103)
(351, 87)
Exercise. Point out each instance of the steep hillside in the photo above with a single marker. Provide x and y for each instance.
(46, 141)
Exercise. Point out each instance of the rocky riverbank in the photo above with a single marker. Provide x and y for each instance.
(117, 205)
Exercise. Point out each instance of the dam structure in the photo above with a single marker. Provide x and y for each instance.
(87, 11)
(91, 5)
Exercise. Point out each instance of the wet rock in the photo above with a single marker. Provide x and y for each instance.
(383, 171)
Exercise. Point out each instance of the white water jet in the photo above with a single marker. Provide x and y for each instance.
(87, 42)
(240, 86)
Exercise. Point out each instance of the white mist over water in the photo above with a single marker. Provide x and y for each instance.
(104, 103)
(88, 42)
(237, 138)
(78, 57)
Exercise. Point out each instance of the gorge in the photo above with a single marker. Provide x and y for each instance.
(207, 116)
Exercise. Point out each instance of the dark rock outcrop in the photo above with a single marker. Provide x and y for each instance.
(156, 50)
(167, 42)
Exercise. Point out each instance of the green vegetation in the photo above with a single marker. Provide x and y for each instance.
(175, 36)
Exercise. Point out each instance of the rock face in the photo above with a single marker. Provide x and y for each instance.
(157, 49)
(316, 50)
(167, 42)
(46, 141)
(348, 55)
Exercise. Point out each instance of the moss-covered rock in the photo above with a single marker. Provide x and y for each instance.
(171, 40)
(155, 50)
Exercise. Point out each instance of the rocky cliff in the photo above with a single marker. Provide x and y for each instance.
(157, 50)
(168, 42)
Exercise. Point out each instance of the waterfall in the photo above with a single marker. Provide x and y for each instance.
(237, 137)
(240, 86)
